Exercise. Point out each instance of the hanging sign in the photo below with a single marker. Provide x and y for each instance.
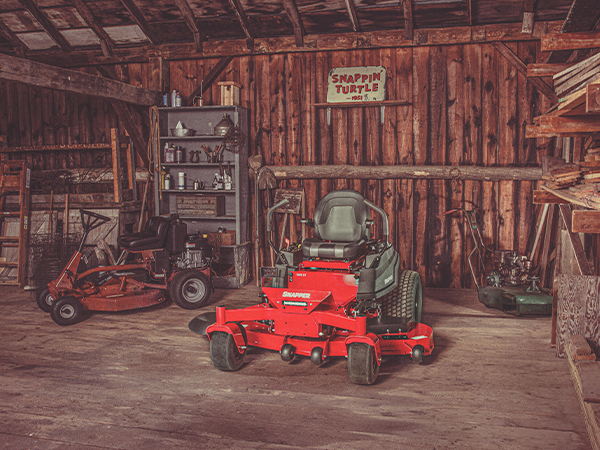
(356, 84)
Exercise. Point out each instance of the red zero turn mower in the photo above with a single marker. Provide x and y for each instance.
(163, 258)
(340, 294)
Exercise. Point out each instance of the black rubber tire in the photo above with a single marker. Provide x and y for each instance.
(406, 300)
(224, 353)
(417, 354)
(288, 353)
(190, 289)
(45, 300)
(362, 365)
(66, 311)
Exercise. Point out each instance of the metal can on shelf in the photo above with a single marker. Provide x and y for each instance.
(181, 180)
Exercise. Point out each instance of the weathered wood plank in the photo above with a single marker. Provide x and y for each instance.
(569, 41)
(408, 171)
(43, 75)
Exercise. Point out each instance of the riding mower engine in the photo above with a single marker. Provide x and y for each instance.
(197, 255)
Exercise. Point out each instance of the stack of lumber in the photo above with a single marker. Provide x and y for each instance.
(585, 372)
(577, 76)
(590, 166)
(561, 175)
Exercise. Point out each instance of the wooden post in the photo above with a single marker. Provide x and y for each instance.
(116, 163)
(3, 156)
(131, 169)
(66, 216)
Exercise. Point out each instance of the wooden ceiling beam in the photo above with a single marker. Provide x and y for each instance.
(353, 17)
(47, 25)
(18, 45)
(469, 13)
(34, 73)
(106, 42)
(209, 79)
(286, 44)
(408, 20)
(294, 15)
(522, 68)
(241, 15)
(140, 20)
(191, 22)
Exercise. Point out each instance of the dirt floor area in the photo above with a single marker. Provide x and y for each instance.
(143, 380)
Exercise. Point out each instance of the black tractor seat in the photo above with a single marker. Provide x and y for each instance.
(152, 237)
(341, 227)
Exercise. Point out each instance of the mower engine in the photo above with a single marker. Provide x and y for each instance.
(510, 269)
(197, 254)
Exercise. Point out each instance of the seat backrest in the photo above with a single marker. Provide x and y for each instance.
(157, 226)
(341, 216)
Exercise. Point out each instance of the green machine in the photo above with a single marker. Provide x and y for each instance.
(510, 286)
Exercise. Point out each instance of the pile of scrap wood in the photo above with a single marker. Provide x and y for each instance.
(558, 174)
(577, 76)
(590, 166)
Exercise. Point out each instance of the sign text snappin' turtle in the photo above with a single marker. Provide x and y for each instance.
(356, 84)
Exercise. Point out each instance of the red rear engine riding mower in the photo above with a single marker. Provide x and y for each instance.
(339, 294)
(158, 259)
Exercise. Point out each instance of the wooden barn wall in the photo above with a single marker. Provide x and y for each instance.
(468, 106)
(33, 116)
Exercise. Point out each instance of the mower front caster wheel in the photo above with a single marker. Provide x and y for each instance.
(224, 353)
(190, 289)
(417, 354)
(45, 300)
(362, 364)
(66, 311)
(288, 352)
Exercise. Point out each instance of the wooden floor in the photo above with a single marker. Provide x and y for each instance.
(144, 381)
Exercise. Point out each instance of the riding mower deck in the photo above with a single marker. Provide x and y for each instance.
(339, 294)
(163, 259)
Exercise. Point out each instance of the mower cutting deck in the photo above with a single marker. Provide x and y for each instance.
(340, 294)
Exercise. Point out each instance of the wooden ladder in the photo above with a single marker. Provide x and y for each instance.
(15, 177)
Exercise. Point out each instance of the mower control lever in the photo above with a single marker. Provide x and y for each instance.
(272, 209)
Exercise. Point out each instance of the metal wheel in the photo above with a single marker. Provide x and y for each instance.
(406, 300)
(362, 363)
(224, 353)
(66, 311)
(190, 289)
(45, 300)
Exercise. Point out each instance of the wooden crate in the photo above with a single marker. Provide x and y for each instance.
(230, 92)
(217, 239)
(200, 205)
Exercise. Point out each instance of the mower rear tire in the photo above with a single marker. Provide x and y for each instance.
(406, 300)
(45, 300)
(66, 311)
(224, 353)
(362, 363)
(190, 289)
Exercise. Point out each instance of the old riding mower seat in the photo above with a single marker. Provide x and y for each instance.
(152, 237)
(340, 226)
